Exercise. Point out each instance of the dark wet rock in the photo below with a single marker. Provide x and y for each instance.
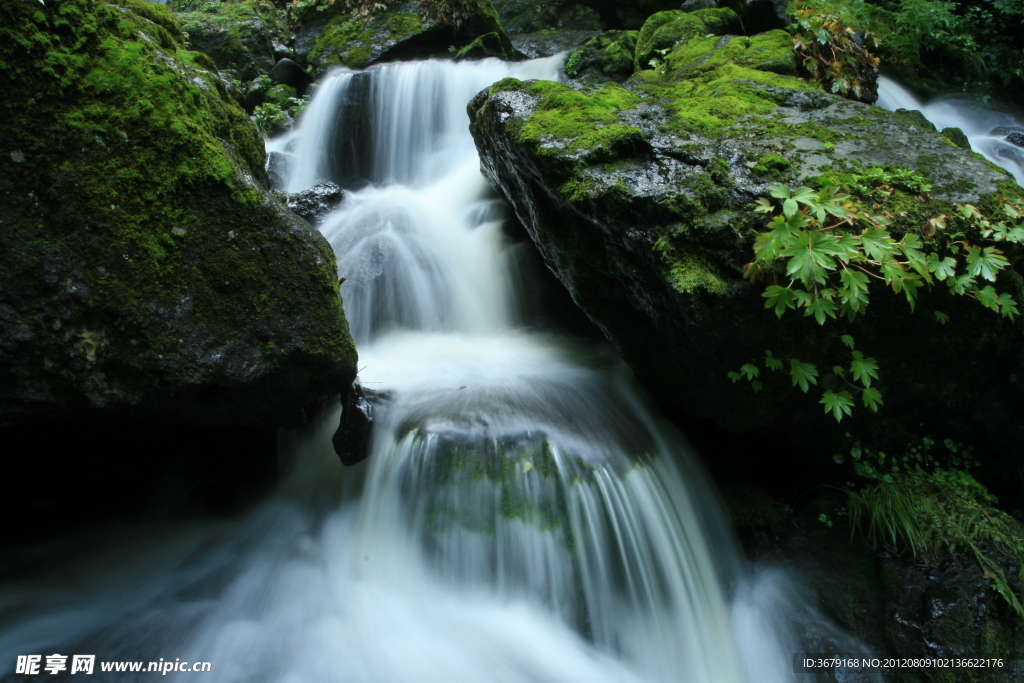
(694, 5)
(278, 169)
(316, 202)
(361, 407)
(547, 43)
(638, 197)
(402, 32)
(898, 605)
(531, 16)
(488, 45)
(145, 269)
(1015, 136)
(287, 72)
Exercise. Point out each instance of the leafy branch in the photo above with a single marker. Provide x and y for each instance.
(825, 248)
(832, 51)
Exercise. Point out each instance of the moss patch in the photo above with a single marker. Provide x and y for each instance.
(136, 185)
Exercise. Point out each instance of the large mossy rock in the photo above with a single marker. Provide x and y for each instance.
(412, 30)
(144, 267)
(640, 199)
(239, 35)
(664, 30)
(607, 57)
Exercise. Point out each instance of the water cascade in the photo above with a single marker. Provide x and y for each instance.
(523, 516)
(986, 129)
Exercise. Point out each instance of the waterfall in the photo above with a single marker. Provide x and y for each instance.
(986, 129)
(524, 515)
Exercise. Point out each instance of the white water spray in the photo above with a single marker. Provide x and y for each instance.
(522, 516)
(976, 121)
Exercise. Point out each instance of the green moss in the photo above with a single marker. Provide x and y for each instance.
(663, 30)
(687, 269)
(710, 84)
(605, 57)
(139, 162)
(403, 24)
(773, 165)
(280, 94)
(582, 120)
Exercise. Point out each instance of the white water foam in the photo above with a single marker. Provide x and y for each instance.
(975, 120)
(523, 515)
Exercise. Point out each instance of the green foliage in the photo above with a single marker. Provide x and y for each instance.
(825, 250)
(829, 267)
(833, 50)
(928, 504)
(272, 118)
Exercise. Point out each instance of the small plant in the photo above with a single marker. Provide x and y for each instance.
(572, 64)
(824, 248)
(270, 119)
(927, 504)
(832, 50)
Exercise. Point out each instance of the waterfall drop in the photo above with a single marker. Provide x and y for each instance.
(523, 516)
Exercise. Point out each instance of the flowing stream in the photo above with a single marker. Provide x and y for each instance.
(986, 128)
(523, 516)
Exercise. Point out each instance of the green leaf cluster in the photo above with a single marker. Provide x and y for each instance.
(928, 504)
(833, 50)
(826, 250)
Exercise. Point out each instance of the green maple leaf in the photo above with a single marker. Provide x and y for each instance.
(839, 404)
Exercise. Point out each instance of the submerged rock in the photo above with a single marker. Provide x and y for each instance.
(144, 267)
(639, 198)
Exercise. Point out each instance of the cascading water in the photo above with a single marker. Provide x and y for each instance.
(522, 517)
(986, 129)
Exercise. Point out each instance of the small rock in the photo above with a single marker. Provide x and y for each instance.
(316, 202)
(288, 72)
(1016, 139)
(352, 439)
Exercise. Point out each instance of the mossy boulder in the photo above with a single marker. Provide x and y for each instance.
(400, 32)
(639, 198)
(608, 57)
(144, 267)
(664, 30)
(238, 35)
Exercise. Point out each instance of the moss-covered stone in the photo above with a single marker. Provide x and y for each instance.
(407, 31)
(638, 196)
(665, 30)
(487, 45)
(529, 16)
(143, 266)
(608, 57)
(280, 95)
(238, 35)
